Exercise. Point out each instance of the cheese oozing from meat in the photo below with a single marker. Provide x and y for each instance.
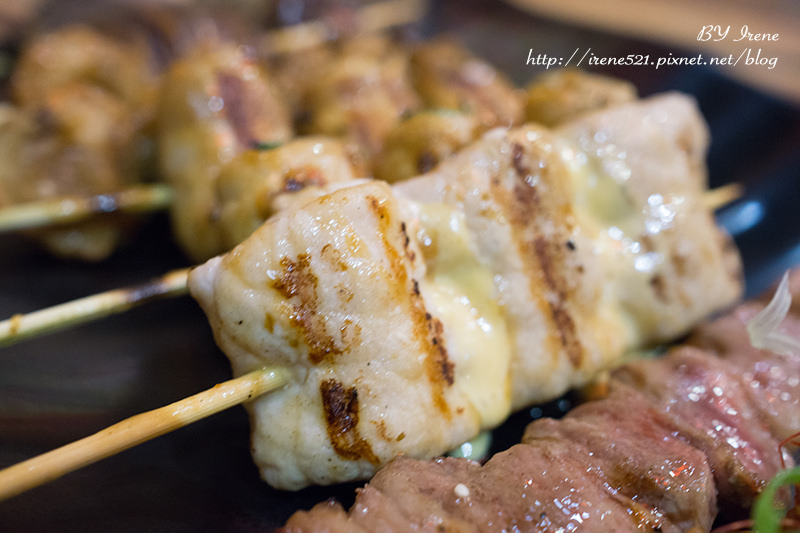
(460, 292)
(414, 316)
(638, 193)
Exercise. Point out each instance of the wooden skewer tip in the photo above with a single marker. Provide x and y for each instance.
(370, 18)
(71, 209)
(721, 196)
(21, 327)
(140, 428)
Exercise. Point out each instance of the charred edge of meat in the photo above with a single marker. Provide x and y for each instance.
(529, 203)
(409, 252)
(565, 326)
(299, 285)
(441, 361)
(304, 177)
(341, 414)
(438, 368)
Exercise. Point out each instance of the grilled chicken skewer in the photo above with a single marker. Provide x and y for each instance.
(253, 185)
(521, 267)
(244, 218)
(54, 152)
(274, 178)
(211, 158)
(518, 269)
(327, 86)
(82, 103)
(360, 94)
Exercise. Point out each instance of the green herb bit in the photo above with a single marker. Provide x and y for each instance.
(767, 517)
(259, 145)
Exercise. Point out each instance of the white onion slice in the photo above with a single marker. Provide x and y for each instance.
(763, 327)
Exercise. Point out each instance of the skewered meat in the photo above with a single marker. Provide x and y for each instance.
(215, 103)
(562, 95)
(84, 97)
(77, 126)
(570, 479)
(609, 202)
(195, 141)
(517, 269)
(771, 380)
(447, 124)
(447, 76)
(427, 137)
(418, 143)
(620, 463)
(710, 408)
(364, 87)
(258, 183)
(79, 54)
(360, 94)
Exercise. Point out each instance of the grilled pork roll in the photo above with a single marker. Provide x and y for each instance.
(519, 268)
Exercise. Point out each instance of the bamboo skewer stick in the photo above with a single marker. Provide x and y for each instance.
(150, 198)
(723, 195)
(49, 320)
(69, 209)
(135, 430)
(370, 18)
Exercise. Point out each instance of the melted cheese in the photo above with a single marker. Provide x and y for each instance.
(459, 291)
(616, 227)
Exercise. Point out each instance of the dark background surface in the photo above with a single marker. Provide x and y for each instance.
(63, 387)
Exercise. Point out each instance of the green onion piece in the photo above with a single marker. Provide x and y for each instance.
(475, 449)
(766, 516)
(264, 146)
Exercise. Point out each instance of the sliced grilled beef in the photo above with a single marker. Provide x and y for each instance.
(664, 481)
(707, 401)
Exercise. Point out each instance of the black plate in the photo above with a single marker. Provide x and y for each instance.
(63, 387)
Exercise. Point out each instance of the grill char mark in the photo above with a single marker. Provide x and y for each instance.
(298, 285)
(528, 208)
(428, 331)
(340, 405)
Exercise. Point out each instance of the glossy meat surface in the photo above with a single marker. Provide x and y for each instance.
(330, 292)
(483, 286)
